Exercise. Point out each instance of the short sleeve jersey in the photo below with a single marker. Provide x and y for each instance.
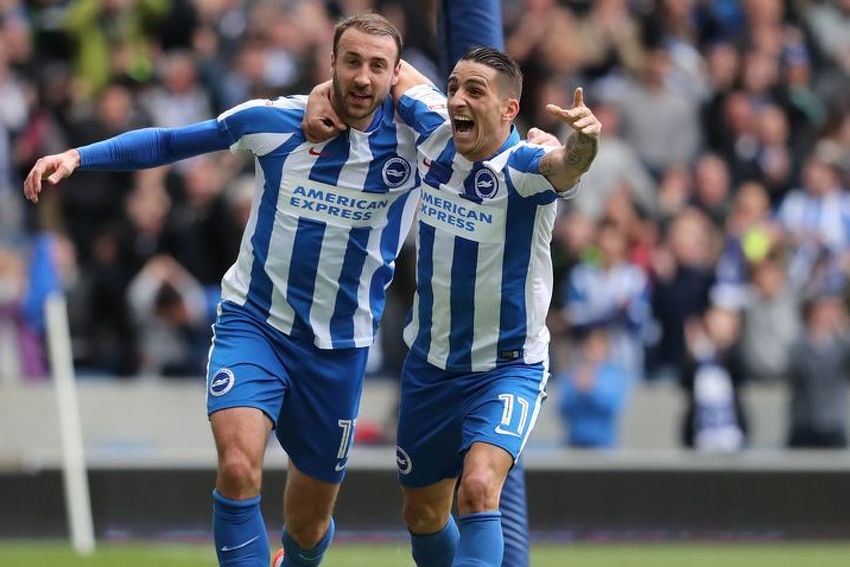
(326, 224)
(484, 269)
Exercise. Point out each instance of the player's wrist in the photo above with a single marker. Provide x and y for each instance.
(74, 155)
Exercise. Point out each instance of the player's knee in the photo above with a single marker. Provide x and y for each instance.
(424, 517)
(239, 477)
(478, 491)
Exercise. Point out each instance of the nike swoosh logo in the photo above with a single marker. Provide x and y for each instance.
(226, 548)
(320, 153)
(426, 162)
(340, 466)
(505, 432)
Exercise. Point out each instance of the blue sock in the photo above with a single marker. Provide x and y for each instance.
(437, 549)
(515, 519)
(240, 532)
(481, 543)
(295, 556)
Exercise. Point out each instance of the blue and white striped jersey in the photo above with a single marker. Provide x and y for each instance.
(326, 224)
(484, 270)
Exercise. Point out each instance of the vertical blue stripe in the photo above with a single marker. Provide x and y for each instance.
(331, 161)
(342, 321)
(424, 272)
(302, 274)
(390, 239)
(519, 232)
(383, 143)
(259, 296)
(462, 304)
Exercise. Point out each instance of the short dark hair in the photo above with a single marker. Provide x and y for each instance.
(369, 23)
(508, 69)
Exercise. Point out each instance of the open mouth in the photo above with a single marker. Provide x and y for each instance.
(360, 98)
(463, 125)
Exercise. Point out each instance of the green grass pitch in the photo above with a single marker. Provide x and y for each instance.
(47, 554)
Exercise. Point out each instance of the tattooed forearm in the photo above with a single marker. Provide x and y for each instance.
(580, 151)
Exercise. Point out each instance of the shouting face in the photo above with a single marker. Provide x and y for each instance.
(480, 109)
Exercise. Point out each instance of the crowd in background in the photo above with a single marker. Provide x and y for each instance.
(709, 245)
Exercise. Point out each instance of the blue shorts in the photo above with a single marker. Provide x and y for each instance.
(443, 413)
(311, 395)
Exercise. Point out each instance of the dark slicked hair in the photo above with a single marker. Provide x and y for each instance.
(369, 23)
(508, 69)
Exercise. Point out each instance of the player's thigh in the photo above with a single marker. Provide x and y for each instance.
(429, 425)
(317, 421)
(505, 407)
(245, 368)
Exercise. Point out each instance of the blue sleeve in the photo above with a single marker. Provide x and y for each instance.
(152, 147)
(466, 23)
(424, 109)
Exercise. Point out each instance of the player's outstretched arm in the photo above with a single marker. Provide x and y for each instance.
(137, 149)
(563, 167)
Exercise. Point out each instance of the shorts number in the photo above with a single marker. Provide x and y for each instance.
(347, 426)
(510, 425)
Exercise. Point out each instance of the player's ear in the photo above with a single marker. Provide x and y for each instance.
(510, 109)
(396, 71)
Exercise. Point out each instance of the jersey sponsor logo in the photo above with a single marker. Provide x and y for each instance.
(226, 548)
(340, 206)
(403, 461)
(486, 183)
(222, 382)
(396, 172)
(461, 216)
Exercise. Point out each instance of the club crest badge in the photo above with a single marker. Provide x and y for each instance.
(486, 184)
(396, 172)
(222, 382)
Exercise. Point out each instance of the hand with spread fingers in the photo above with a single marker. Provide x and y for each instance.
(579, 117)
(564, 166)
(53, 169)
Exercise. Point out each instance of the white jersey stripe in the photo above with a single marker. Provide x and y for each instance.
(281, 314)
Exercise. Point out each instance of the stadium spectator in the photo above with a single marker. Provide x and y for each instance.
(683, 275)
(816, 216)
(771, 321)
(593, 393)
(714, 419)
(659, 123)
(609, 291)
(820, 360)
(168, 307)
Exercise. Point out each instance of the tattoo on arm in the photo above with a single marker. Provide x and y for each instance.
(580, 151)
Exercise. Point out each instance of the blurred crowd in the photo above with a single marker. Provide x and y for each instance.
(709, 245)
